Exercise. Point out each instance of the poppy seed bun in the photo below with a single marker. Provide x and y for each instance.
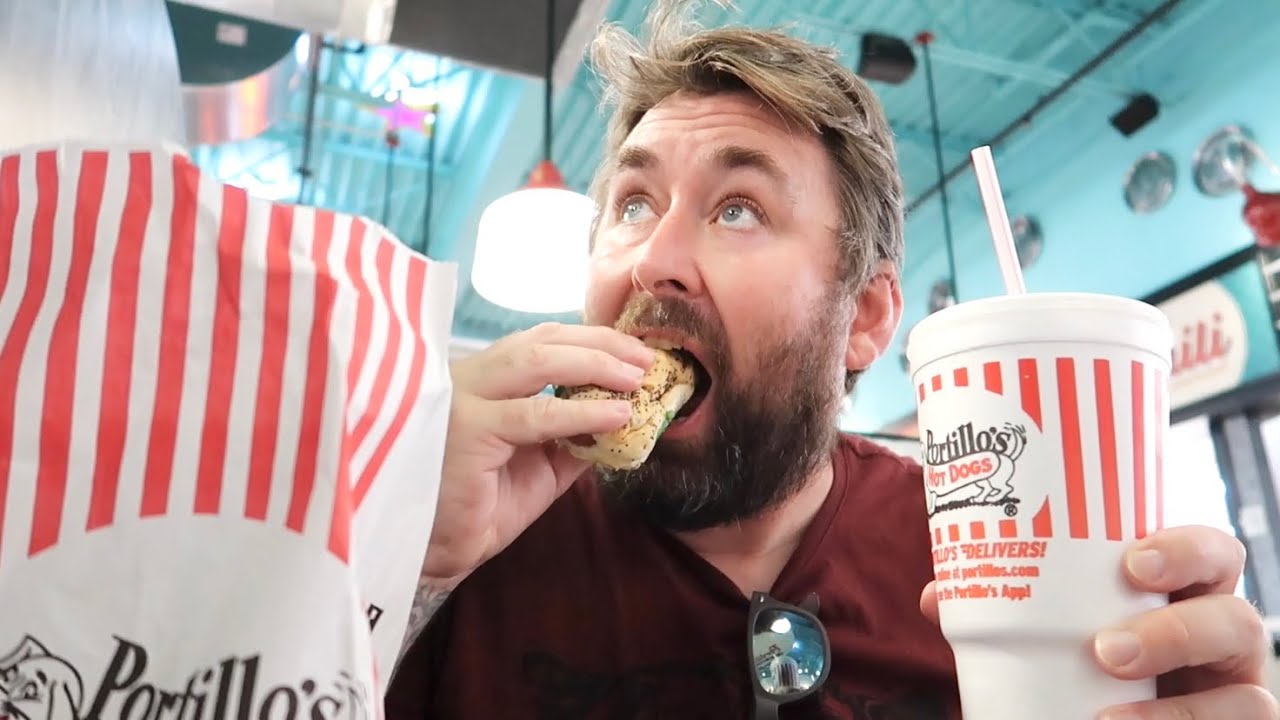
(666, 387)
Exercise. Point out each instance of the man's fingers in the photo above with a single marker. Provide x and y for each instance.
(929, 601)
(1239, 702)
(529, 421)
(1195, 558)
(1222, 634)
(620, 345)
(520, 370)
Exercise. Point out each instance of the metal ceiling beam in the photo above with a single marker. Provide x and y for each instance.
(1106, 22)
(362, 152)
(383, 77)
(1077, 29)
(253, 164)
(359, 97)
(1027, 72)
(1026, 118)
(923, 138)
(347, 72)
(372, 133)
(379, 155)
(1089, 12)
(340, 187)
(1043, 56)
(1135, 56)
(469, 116)
(400, 191)
(941, 28)
(990, 64)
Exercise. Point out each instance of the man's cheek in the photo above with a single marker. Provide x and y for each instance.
(608, 288)
(603, 302)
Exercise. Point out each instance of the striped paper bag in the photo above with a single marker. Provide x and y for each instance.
(222, 423)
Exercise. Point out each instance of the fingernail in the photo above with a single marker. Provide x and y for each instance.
(1146, 565)
(634, 372)
(1117, 648)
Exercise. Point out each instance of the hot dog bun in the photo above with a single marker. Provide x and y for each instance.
(666, 387)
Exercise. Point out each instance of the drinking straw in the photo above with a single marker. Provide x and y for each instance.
(998, 220)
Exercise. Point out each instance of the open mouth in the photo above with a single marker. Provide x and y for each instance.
(701, 385)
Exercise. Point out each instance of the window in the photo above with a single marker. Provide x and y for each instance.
(1195, 492)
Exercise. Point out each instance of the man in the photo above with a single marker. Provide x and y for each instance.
(751, 212)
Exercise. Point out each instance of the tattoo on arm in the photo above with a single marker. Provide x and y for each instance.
(427, 601)
(425, 604)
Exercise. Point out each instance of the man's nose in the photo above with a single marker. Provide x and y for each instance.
(666, 263)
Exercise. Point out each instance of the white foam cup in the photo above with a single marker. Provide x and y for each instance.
(1042, 418)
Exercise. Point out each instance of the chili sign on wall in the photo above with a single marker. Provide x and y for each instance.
(1224, 335)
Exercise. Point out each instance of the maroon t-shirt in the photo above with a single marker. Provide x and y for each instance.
(593, 614)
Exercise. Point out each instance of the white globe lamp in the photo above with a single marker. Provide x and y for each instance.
(532, 246)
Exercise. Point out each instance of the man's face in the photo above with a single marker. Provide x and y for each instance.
(718, 234)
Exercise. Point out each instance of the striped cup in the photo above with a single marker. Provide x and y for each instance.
(1042, 419)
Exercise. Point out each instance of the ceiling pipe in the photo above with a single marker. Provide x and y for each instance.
(1025, 118)
(433, 133)
(305, 173)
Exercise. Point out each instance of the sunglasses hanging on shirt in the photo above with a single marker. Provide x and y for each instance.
(788, 652)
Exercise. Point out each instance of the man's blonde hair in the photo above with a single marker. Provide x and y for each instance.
(804, 83)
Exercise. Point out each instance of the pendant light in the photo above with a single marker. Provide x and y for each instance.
(532, 245)
(944, 291)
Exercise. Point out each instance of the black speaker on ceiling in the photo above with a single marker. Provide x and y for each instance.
(1134, 116)
(885, 58)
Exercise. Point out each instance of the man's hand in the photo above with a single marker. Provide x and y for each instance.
(1208, 648)
(502, 467)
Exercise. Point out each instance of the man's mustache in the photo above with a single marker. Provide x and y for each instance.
(643, 312)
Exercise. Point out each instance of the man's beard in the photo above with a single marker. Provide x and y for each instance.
(769, 430)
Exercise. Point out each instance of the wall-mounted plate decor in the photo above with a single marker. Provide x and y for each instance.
(1222, 161)
(941, 296)
(1028, 239)
(1150, 183)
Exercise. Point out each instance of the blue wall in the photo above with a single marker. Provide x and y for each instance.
(1094, 243)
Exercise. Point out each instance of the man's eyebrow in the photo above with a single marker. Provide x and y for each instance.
(734, 157)
(727, 158)
(633, 157)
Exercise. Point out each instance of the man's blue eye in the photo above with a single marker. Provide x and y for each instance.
(739, 215)
(634, 210)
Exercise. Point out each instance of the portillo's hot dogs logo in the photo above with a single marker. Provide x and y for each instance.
(973, 466)
(36, 684)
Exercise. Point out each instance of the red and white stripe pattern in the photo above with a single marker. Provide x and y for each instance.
(171, 347)
(1108, 417)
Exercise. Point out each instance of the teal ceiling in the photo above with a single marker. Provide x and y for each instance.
(993, 59)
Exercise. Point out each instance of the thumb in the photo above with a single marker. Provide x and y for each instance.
(565, 466)
(929, 601)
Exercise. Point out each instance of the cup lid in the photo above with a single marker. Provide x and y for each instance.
(1040, 318)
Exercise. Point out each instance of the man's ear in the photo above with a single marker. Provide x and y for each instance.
(876, 313)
